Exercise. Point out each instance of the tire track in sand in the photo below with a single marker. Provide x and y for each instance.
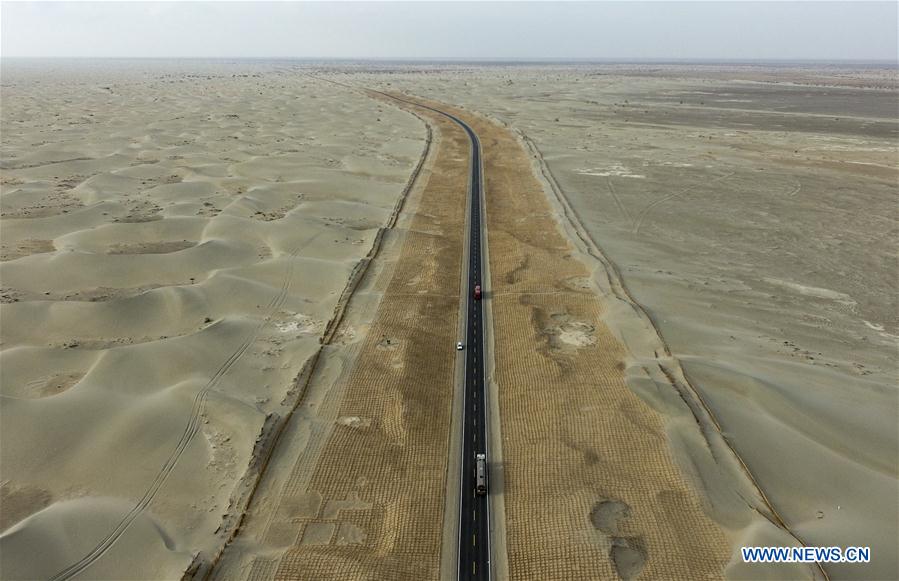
(648, 208)
(621, 207)
(190, 430)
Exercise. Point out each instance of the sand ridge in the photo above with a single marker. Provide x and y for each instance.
(747, 214)
(163, 291)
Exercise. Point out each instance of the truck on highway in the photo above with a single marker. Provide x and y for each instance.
(481, 474)
(477, 292)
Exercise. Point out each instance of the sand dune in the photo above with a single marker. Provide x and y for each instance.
(174, 239)
(65, 529)
(173, 247)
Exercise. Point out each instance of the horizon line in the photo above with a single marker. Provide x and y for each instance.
(561, 60)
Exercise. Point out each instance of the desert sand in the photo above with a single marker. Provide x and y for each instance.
(752, 214)
(175, 238)
(580, 451)
(709, 281)
(356, 487)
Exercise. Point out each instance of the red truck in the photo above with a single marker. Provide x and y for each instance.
(477, 292)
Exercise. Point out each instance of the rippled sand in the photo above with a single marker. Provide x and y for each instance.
(175, 237)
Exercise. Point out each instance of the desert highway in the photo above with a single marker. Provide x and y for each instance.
(474, 509)
(474, 536)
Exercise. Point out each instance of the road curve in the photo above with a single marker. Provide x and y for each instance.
(474, 510)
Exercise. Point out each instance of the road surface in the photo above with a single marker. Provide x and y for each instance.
(474, 537)
(474, 524)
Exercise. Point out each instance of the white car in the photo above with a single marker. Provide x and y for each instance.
(459, 346)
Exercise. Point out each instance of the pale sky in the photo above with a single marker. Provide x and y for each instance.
(722, 30)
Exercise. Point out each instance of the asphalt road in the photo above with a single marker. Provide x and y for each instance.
(474, 537)
(474, 524)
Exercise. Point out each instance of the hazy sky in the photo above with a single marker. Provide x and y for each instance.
(605, 30)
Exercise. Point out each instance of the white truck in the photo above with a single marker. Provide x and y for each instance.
(480, 474)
